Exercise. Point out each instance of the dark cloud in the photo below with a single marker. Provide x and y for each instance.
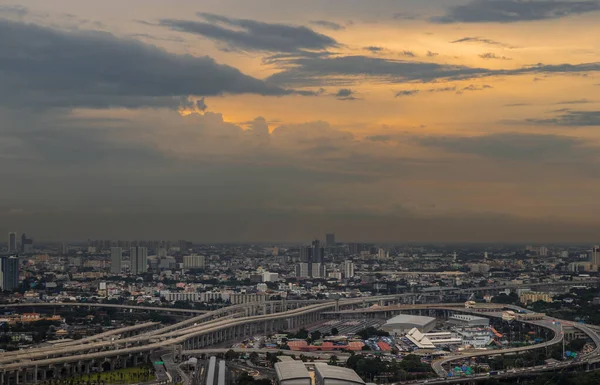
(406, 93)
(493, 56)
(577, 101)
(44, 67)
(374, 49)
(404, 16)
(379, 138)
(568, 118)
(251, 35)
(408, 53)
(346, 70)
(17, 11)
(508, 11)
(483, 40)
(432, 54)
(474, 87)
(443, 89)
(509, 146)
(328, 24)
(345, 94)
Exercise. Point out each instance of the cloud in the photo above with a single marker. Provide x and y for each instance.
(509, 146)
(568, 118)
(404, 16)
(45, 67)
(509, 11)
(17, 11)
(483, 40)
(251, 35)
(328, 24)
(432, 54)
(347, 70)
(406, 93)
(408, 53)
(474, 87)
(493, 56)
(379, 138)
(374, 49)
(345, 94)
(577, 101)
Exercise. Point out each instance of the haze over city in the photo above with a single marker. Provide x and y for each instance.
(277, 120)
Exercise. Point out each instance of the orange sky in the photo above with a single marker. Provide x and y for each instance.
(445, 116)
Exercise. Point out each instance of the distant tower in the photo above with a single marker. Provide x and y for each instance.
(485, 256)
(116, 259)
(9, 273)
(330, 240)
(138, 260)
(12, 242)
(454, 257)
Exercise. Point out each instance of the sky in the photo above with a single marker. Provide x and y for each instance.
(281, 120)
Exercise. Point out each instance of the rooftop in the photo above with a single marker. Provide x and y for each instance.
(410, 319)
(291, 370)
(338, 373)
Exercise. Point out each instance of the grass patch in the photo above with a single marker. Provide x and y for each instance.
(117, 377)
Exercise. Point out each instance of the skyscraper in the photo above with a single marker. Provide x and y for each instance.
(348, 269)
(138, 260)
(26, 244)
(318, 253)
(595, 257)
(330, 240)
(116, 259)
(9, 273)
(12, 242)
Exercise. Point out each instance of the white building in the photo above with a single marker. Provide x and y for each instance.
(194, 262)
(480, 268)
(270, 277)
(348, 269)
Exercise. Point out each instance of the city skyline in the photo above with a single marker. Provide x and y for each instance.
(236, 121)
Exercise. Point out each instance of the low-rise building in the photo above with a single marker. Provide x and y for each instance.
(466, 320)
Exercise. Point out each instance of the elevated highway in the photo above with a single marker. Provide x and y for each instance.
(194, 334)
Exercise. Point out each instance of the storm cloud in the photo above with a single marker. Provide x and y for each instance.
(323, 70)
(509, 11)
(46, 67)
(569, 118)
(252, 35)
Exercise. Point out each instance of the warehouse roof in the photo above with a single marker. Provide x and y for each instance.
(291, 370)
(410, 319)
(338, 373)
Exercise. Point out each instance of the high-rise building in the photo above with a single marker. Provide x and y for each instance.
(63, 249)
(595, 257)
(302, 270)
(138, 260)
(26, 244)
(194, 262)
(305, 254)
(318, 252)
(330, 240)
(12, 242)
(116, 260)
(9, 273)
(348, 269)
(383, 254)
